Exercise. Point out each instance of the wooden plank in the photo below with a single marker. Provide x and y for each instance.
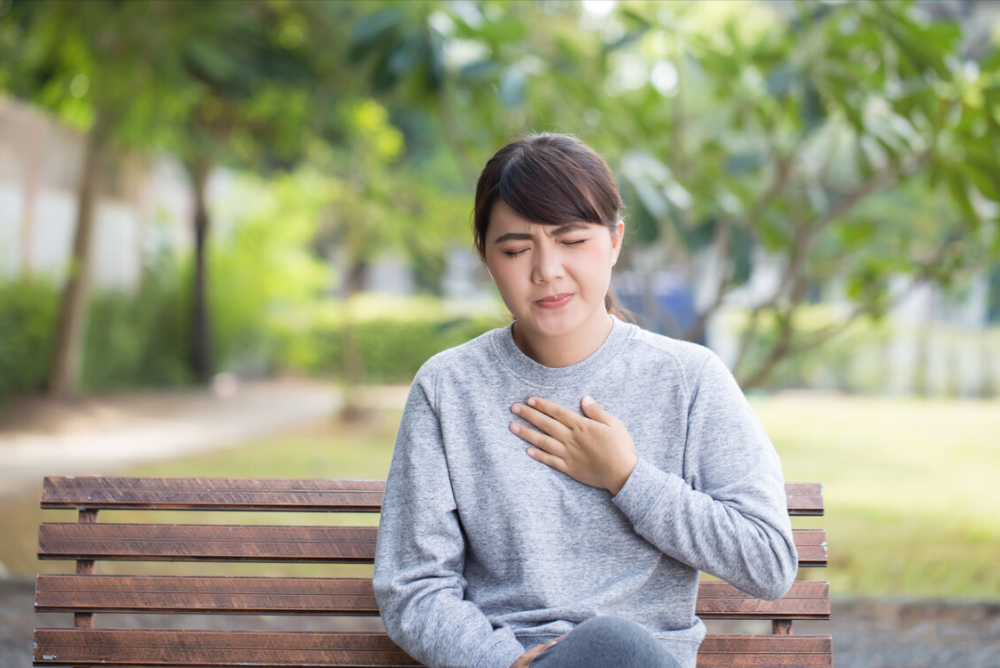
(721, 600)
(804, 498)
(211, 595)
(250, 494)
(269, 494)
(305, 544)
(168, 542)
(339, 596)
(160, 647)
(811, 546)
(766, 652)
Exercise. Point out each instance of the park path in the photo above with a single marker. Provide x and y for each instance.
(100, 435)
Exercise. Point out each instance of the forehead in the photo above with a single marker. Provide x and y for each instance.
(504, 220)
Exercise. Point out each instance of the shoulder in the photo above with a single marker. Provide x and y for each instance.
(691, 359)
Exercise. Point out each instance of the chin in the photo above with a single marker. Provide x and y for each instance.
(554, 327)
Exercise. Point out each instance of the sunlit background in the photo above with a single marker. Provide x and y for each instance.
(231, 232)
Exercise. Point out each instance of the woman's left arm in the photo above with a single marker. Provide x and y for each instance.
(727, 516)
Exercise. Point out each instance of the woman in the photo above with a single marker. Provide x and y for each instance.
(565, 478)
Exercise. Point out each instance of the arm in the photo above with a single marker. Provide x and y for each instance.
(420, 555)
(727, 516)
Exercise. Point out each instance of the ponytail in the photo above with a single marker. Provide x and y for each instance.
(616, 309)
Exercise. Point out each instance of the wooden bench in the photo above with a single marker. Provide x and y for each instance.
(86, 593)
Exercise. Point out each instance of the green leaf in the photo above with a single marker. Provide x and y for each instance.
(371, 32)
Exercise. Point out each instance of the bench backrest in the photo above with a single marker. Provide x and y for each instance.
(86, 593)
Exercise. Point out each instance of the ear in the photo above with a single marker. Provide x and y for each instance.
(616, 241)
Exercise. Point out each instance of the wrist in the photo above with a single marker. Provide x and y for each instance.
(619, 480)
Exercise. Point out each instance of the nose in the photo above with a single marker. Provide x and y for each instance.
(548, 265)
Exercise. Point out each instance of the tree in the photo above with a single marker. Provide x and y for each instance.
(742, 137)
(92, 64)
(236, 83)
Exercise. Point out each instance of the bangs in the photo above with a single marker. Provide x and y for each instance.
(543, 190)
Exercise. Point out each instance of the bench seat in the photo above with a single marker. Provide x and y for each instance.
(86, 594)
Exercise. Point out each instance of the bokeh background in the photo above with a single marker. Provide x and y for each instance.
(231, 232)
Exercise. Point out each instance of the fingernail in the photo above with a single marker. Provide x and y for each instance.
(516, 408)
(531, 452)
(515, 428)
(531, 401)
(587, 400)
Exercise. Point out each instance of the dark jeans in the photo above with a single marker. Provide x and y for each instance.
(606, 642)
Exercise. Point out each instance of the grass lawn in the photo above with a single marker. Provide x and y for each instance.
(912, 489)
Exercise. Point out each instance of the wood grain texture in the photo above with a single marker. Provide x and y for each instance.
(158, 647)
(161, 647)
(302, 544)
(338, 596)
(199, 542)
(766, 651)
(270, 494)
(252, 494)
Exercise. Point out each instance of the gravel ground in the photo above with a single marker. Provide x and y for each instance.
(866, 633)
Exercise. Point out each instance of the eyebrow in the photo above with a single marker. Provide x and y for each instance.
(524, 236)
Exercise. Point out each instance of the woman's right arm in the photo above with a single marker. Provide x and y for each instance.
(420, 556)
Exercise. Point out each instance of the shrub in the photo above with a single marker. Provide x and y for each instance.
(28, 308)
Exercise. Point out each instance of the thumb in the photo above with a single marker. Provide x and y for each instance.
(595, 412)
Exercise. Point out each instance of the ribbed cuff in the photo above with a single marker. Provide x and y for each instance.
(501, 654)
(646, 489)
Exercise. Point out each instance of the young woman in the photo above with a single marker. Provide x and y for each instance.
(558, 484)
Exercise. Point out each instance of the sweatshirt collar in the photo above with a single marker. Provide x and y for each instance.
(538, 374)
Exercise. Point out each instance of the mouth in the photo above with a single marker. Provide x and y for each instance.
(555, 301)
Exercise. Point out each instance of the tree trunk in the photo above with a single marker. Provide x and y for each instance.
(71, 327)
(32, 184)
(353, 409)
(201, 332)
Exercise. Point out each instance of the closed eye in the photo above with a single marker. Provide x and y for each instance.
(575, 242)
(514, 253)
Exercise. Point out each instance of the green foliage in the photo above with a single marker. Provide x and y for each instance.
(394, 336)
(134, 339)
(27, 325)
(138, 338)
(264, 266)
(848, 142)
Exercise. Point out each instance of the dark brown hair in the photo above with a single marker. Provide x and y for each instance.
(551, 179)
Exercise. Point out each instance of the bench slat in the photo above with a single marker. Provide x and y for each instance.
(150, 647)
(250, 494)
(269, 494)
(766, 652)
(300, 544)
(338, 596)
(199, 542)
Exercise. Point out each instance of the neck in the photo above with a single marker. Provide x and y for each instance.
(556, 352)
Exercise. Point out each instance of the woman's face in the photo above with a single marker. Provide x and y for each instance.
(553, 278)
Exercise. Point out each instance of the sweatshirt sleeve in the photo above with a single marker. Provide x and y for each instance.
(420, 554)
(728, 515)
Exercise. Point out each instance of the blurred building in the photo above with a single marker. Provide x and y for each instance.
(141, 205)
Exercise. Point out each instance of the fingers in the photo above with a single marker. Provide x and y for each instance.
(538, 439)
(550, 460)
(592, 410)
(560, 413)
(549, 425)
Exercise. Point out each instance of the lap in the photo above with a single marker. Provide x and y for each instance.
(606, 642)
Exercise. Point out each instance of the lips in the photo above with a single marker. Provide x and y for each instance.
(554, 301)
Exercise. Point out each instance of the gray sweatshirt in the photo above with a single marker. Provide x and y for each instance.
(484, 552)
